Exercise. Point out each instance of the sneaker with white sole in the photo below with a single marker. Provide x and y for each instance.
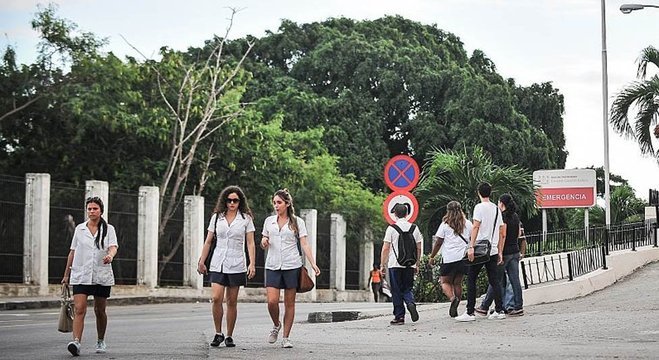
(74, 347)
(274, 334)
(481, 311)
(465, 317)
(286, 344)
(497, 316)
(101, 348)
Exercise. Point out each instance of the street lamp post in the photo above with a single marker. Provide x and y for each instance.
(605, 120)
(627, 8)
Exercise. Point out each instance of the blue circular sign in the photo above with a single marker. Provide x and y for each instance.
(401, 173)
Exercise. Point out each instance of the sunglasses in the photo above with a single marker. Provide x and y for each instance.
(232, 201)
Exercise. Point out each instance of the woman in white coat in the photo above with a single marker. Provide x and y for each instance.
(229, 227)
(285, 238)
(89, 270)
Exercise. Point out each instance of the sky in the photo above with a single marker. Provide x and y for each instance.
(532, 41)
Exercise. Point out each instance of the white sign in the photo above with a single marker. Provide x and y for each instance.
(400, 198)
(565, 188)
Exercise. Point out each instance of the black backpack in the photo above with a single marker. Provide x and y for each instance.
(406, 254)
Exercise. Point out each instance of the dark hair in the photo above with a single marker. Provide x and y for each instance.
(290, 211)
(102, 225)
(508, 202)
(401, 210)
(485, 190)
(454, 217)
(243, 206)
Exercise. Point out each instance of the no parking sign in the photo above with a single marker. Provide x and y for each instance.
(401, 173)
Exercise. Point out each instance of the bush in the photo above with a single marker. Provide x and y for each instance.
(428, 289)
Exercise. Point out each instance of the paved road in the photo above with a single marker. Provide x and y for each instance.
(621, 321)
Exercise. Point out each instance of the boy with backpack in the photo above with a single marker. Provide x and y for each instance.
(401, 253)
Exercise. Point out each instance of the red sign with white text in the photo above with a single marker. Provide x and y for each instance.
(569, 197)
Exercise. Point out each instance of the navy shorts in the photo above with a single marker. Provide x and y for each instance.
(230, 280)
(94, 290)
(282, 279)
(453, 268)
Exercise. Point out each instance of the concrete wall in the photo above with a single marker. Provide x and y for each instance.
(36, 226)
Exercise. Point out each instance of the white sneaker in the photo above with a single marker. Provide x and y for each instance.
(274, 333)
(466, 317)
(497, 316)
(74, 347)
(286, 344)
(101, 348)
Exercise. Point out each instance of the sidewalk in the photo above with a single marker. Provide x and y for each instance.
(620, 264)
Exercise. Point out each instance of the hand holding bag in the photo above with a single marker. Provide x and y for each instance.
(482, 247)
(66, 311)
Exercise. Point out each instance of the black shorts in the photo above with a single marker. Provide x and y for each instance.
(230, 280)
(453, 268)
(282, 279)
(94, 290)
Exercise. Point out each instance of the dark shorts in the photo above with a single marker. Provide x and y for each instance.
(230, 280)
(282, 279)
(94, 290)
(453, 268)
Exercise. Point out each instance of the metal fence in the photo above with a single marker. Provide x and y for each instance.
(123, 216)
(12, 218)
(67, 209)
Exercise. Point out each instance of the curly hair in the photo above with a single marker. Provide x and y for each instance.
(221, 205)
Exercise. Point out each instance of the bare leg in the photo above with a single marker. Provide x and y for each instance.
(100, 304)
(273, 304)
(447, 286)
(289, 310)
(232, 308)
(217, 296)
(80, 302)
(457, 285)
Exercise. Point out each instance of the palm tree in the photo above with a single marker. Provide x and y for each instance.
(644, 96)
(455, 175)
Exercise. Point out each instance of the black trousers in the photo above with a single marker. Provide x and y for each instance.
(493, 276)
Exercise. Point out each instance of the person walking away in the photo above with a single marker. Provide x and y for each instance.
(511, 258)
(487, 224)
(285, 238)
(89, 271)
(375, 282)
(230, 226)
(451, 237)
(401, 252)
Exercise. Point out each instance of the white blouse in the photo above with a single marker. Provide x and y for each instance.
(283, 252)
(229, 254)
(87, 267)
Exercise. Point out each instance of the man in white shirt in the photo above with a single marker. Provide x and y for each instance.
(401, 277)
(487, 223)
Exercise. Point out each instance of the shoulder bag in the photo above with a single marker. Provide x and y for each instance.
(304, 284)
(482, 247)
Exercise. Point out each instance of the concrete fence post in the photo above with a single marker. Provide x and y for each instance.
(366, 258)
(193, 240)
(337, 252)
(148, 219)
(36, 229)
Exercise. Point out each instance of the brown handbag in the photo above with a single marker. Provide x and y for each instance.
(66, 312)
(305, 283)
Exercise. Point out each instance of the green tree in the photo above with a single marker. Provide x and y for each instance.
(455, 175)
(642, 95)
(625, 208)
